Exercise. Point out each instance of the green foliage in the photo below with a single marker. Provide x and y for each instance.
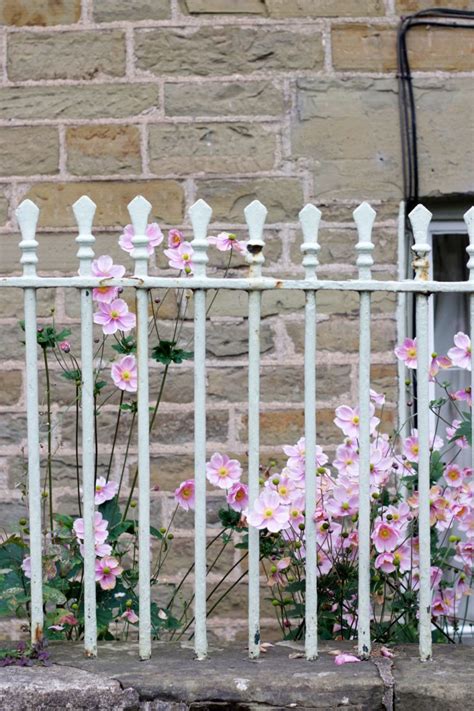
(125, 345)
(166, 352)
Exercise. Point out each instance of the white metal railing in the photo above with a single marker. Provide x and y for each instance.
(255, 214)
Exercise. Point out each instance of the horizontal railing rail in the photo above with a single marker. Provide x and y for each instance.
(255, 284)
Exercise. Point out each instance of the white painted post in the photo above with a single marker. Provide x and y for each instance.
(84, 210)
(401, 315)
(469, 220)
(255, 215)
(420, 219)
(139, 209)
(364, 217)
(27, 215)
(200, 214)
(310, 217)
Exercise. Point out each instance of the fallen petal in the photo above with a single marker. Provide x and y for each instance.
(345, 659)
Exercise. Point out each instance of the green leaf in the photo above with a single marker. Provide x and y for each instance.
(74, 375)
(229, 518)
(126, 345)
(99, 385)
(464, 430)
(53, 595)
(436, 467)
(111, 512)
(66, 521)
(166, 353)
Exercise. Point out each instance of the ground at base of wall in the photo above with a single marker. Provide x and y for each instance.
(281, 679)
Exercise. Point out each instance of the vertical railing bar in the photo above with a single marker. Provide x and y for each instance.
(469, 220)
(310, 217)
(139, 209)
(27, 216)
(200, 214)
(420, 218)
(84, 210)
(255, 214)
(401, 316)
(364, 217)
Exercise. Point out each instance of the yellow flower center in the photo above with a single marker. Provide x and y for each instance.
(396, 558)
(186, 257)
(114, 314)
(126, 375)
(103, 289)
(106, 570)
(415, 449)
(384, 532)
(186, 493)
(268, 513)
(239, 495)
(355, 419)
(222, 471)
(345, 506)
(412, 352)
(283, 490)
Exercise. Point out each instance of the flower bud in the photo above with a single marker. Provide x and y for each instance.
(22, 521)
(344, 534)
(65, 346)
(74, 606)
(170, 536)
(129, 603)
(276, 480)
(162, 530)
(133, 504)
(275, 603)
(273, 569)
(301, 526)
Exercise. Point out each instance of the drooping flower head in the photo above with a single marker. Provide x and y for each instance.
(460, 354)
(105, 268)
(226, 241)
(124, 373)
(114, 317)
(222, 471)
(104, 490)
(153, 232)
(184, 495)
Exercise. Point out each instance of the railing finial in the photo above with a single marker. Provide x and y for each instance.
(255, 215)
(310, 217)
(27, 215)
(139, 209)
(84, 211)
(469, 220)
(200, 215)
(364, 217)
(420, 219)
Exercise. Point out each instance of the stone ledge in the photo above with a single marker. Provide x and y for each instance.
(282, 679)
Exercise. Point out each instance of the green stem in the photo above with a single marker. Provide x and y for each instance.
(117, 424)
(78, 479)
(49, 462)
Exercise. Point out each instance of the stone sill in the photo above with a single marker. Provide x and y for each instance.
(282, 679)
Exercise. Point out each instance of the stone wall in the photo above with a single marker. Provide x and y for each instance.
(287, 101)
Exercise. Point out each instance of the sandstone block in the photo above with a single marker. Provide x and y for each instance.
(283, 197)
(66, 55)
(11, 386)
(349, 132)
(373, 48)
(26, 150)
(324, 8)
(342, 334)
(211, 148)
(223, 99)
(103, 150)
(78, 102)
(287, 426)
(111, 198)
(405, 7)
(124, 10)
(223, 7)
(40, 12)
(226, 50)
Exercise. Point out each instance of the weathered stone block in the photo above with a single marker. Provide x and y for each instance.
(223, 99)
(66, 55)
(211, 148)
(405, 7)
(338, 246)
(279, 427)
(13, 430)
(342, 334)
(349, 131)
(324, 8)
(3, 208)
(39, 12)
(373, 48)
(27, 150)
(55, 201)
(11, 386)
(78, 102)
(103, 150)
(223, 7)
(283, 197)
(124, 10)
(227, 50)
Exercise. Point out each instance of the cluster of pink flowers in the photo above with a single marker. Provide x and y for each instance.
(107, 567)
(223, 473)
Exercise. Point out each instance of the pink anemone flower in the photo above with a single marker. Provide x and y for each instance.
(106, 572)
(184, 495)
(153, 232)
(104, 268)
(385, 537)
(269, 512)
(222, 471)
(100, 528)
(226, 241)
(238, 496)
(104, 490)
(124, 373)
(181, 257)
(114, 317)
(460, 354)
(348, 420)
(407, 352)
(175, 238)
